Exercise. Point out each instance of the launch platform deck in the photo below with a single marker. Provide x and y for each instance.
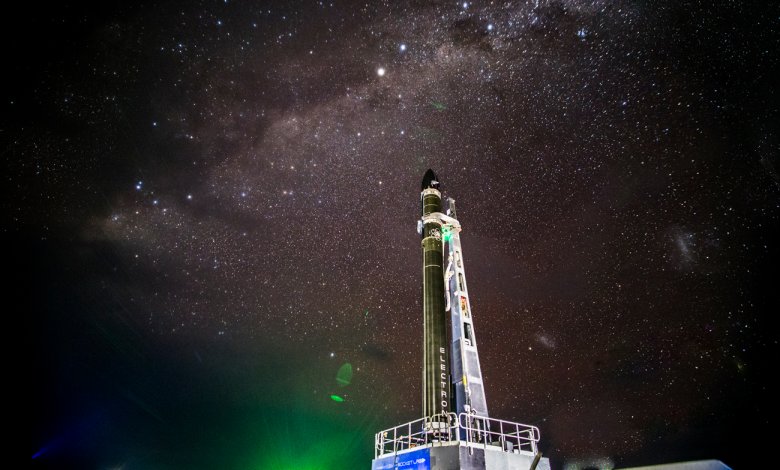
(462, 442)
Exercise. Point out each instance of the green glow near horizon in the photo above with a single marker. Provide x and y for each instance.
(300, 436)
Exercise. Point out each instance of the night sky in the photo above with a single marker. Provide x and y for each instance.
(210, 207)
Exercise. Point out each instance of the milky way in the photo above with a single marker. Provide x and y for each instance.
(213, 209)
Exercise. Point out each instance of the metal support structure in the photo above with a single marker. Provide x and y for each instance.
(466, 370)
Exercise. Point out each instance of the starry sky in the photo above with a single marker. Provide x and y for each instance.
(211, 209)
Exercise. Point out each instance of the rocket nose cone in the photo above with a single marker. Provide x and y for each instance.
(430, 180)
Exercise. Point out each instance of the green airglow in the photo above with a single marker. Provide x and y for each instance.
(308, 435)
(438, 106)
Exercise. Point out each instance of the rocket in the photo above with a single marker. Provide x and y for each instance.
(452, 376)
(455, 430)
(436, 362)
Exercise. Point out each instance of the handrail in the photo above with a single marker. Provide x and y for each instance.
(508, 437)
(424, 431)
(441, 429)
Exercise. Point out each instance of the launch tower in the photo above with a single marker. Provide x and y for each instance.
(455, 431)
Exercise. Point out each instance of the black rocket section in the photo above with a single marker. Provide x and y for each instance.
(436, 363)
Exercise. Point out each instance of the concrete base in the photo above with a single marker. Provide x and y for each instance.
(457, 457)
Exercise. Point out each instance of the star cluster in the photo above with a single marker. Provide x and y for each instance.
(213, 209)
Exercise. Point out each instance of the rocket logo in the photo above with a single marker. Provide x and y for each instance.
(443, 377)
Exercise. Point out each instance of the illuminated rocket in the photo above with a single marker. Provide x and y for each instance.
(455, 431)
(436, 364)
(450, 371)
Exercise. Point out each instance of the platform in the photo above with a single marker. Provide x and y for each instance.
(464, 442)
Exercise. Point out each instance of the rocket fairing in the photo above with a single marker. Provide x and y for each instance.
(436, 362)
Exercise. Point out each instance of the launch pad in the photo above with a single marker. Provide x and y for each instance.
(467, 442)
(455, 431)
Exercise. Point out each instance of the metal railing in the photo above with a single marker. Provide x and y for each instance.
(507, 435)
(448, 428)
(437, 430)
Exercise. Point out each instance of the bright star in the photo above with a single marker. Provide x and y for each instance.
(380, 71)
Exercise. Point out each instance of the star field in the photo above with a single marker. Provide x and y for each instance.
(212, 208)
